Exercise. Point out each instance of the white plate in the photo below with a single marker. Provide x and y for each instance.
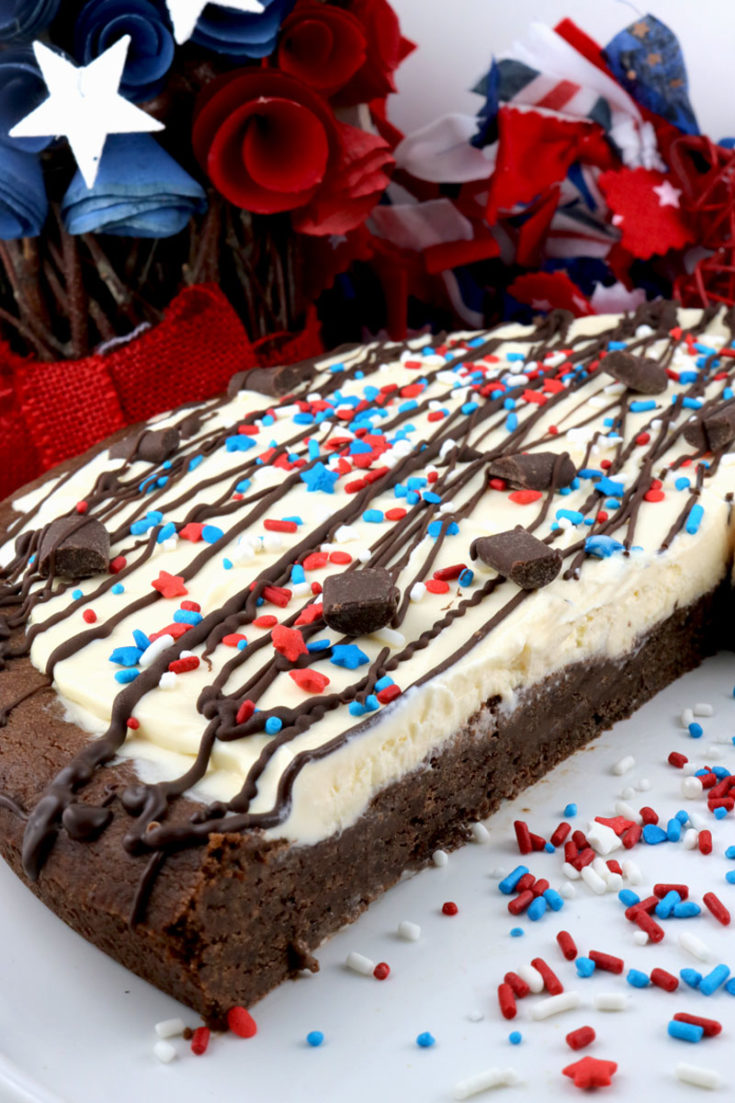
(74, 1026)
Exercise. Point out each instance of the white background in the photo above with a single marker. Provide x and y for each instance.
(457, 38)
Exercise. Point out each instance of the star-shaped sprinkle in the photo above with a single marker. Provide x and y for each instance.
(668, 195)
(185, 13)
(319, 477)
(591, 1072)
(169, 585)
(84, 105)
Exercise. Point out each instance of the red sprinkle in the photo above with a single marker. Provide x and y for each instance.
(646, 905)
(396, 514)
(540, 886)
(288, 642)
(527, 881)
(241, 1022)
(648, 815)
(232, 639)
(553, 985)
(117, 564)
(580, 839)
(677, 759)
(316, 560)
(381, 970)
(169, 585)
(664, 980)
(497, 484)
(704, 841)
(133, 723)
(200, 1040)
(525, 497)
(523, 836)
(718, 909)
(389, 694)
(310, 680)
(89, 616)
(567, 945)
(560, 834)
(660, 890)
(519, 903)
(266, 621)
(581, 1037)
(507, 1001)
(584, 858)
(437, 586)
(449, 908)
(608, 962)
(517, 985)
(191, 606)
(653, 929)
(274, 525)
(632, 836)
(340, 558)
(192, 531)
(710, 1026)
(449, 573)
(246, 710)
(277, 595)
(181, 666)
(614, 866)
(538, 842)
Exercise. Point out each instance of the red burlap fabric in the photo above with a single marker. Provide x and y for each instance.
(49, 412)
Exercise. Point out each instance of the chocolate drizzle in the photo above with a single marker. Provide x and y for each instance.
(521, 458)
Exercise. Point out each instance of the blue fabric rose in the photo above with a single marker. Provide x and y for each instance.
(23, 204)
(102, 22)
(242, 34)
(22, 19)
(140, 191)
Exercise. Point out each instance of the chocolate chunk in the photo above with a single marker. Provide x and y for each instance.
(190, 426)
(152, 446)
(85, 821)
(274, 382)
(637, 373)
(534, 470)
(711, 433)
(358, 602)
(79, 548)
(519, 556)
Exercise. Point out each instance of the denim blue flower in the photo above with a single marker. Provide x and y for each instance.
(22, 89)
(140, 191)
(23, 203)
(102, 22)
(21, 20)
(241, 34)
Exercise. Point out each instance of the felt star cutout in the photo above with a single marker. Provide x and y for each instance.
(591, 1072)
(668, 195)
(649, 225)
(84, 105)
(546, 290)
(185, 13)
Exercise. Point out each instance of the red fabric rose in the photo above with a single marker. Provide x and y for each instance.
(269, 143)
(323, 46)
(386, 49)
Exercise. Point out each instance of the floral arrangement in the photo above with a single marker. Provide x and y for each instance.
(256, 150)
(582, 183)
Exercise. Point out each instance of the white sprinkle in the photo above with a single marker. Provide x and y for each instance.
(631, 872)
(358, 963)
(627, 793)
(364, 555)
(155, 649)
(623, 765)
(440, 858)
(691, 787)
(614, 882)
(418, 591)
(714, 752)
(483, 1081)
(345, 533)
(170, 543)
(272, 541)
(568, 890)
(554, 1005)
(475, 1016)
(411, 932)
(689, 768)
(498, 872)
(697, 820)
(643, 785)
(695, 946)
(300, 588)
(169, 680)
(627, 810)
(600, 868)
(447, 447)
(447, 507)
(686, 718)
(696, 1075)
(602, 838)
(169, 1028)
(593, 881)
(689, 841)
(390, 636)
(480, 833)
(532, 977)
(640, 938)
(644, 331)
(703, 709)
(611, 1001)
(570, 871)
(164, 1051)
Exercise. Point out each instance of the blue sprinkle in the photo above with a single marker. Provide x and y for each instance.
(195, 461)
(687, 909)
(585, 966)
(637, 978)
(728, 393)
(653, 834)
(319, 478)
(554, 900)
(570, 811)
(273, 725)
(450, 529)
(242, 644)
(612, 503)
(691, 977)
(243, 486)
(682, 483)
(187, 616)
(511, 357)
(642, 406)
(168, 530)
(125, 676)
(610, 486)
(685, 1032)
(359, 448)
(688, 377)
(515, 1037)
(315, 1038)
(416, 482)
(720, 813)
(118, 588)
(303, 418)
(240, 443)
(730, 986)
(730, 852)
(405, 407)
(720, 771)
(425, 1040)
(126, 656)
(298, 574)
(313, 449)
(318, 645)
(268, 420)
(76, 594)
(615, 346)
(430, 496)
(730, 877)
(509, 404)
(682, 816)
(517, 932)
(667, 903)
(210, 534)
(549, 848)
(696, 513)
(714, 980)
(141, 640)
(602, 547)
(572, 515)
(227, 564)
(412, 497)
(469, 408)
(536, 908)
(628, 897)
(383, 683)
(348, 655)
(673, 831)
(162, 481)
(508, 884)
(691, 403)
(466, 578)
(374, 516)
(696, 730)
(511, 422)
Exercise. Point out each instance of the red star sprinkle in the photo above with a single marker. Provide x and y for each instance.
(591, 1072)
(170, 585)
(288, 642)
(310, 680)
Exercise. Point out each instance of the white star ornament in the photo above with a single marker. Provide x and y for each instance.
(185, 13)
(84, 105)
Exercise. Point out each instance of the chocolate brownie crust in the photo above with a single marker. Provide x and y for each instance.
(227, 922)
